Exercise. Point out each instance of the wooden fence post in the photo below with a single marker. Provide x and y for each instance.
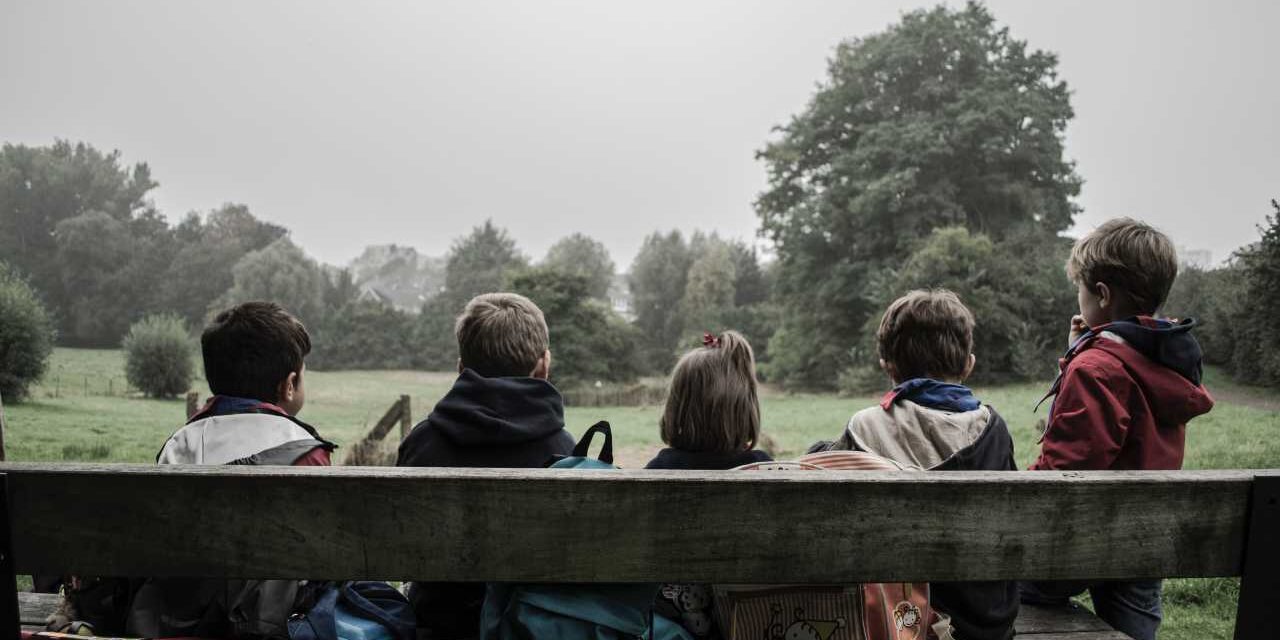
(193, 403)
(1260, 578)
(406, 417)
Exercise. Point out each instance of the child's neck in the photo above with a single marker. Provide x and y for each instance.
(959, 381)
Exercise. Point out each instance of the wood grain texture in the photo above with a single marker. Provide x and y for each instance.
(625, 526)
(1082, 635)
(35, 608)
(1068, 619)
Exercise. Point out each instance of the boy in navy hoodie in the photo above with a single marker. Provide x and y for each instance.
(501, 412)
(931, 421)
(1128, 385)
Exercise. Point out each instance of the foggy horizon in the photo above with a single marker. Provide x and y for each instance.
(354, 125)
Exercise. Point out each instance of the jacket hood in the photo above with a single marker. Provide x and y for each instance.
(922, 437)
(480, 411)
(1163, 341)
(1173, 398)
(1167, 365)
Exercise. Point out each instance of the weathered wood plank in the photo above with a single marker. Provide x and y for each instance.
(1034, 619)
(389, 419)
(35, 608)
(624, 526)
(1082, 635)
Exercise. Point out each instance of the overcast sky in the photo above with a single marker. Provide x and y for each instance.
(372, 122)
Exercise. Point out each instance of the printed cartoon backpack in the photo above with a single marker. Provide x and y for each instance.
(571, 611)
(868, 611)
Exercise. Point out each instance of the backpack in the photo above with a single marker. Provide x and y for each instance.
(868, 611)
(576, 611)
(355, 611)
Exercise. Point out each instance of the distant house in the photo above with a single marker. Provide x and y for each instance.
(369, 293)
(1195, 258)
(620, 296)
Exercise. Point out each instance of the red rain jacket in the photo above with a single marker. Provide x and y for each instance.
(1118, 408)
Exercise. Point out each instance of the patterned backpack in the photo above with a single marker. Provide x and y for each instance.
(868, 611)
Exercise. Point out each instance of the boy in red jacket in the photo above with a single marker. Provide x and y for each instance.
(1128, 385)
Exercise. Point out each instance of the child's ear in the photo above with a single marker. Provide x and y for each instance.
(542, 370)
(968, 367)
(1105, 297)
(287, 389)
(889, 370)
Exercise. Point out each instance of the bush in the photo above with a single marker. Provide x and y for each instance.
(364, 335)
(158, 356)
(26, 335)
(1016, 288)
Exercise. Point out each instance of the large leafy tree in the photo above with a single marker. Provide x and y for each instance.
(709, 288)
(1256, 355)
(585, 256)
(205, 252)
(941, 120)
(1016, 288)
(589, 342)
(282, 273)
(483, 261)
(79, 224)
(657, 281)
(480, 262)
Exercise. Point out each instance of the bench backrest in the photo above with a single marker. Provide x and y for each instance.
(629, 526)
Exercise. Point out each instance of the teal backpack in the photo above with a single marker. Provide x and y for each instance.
(576, 611)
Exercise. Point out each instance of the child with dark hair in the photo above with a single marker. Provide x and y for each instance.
(253, 361)
(931, 421)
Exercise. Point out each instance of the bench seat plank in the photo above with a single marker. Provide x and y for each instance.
(1034, 620)
(35, 608)
(624, 526)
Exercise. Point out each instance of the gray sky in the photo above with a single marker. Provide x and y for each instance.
(370, 122)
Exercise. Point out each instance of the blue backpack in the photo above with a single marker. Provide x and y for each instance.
(576, 611)
(356, 611)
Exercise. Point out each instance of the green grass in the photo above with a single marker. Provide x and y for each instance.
(71, 417)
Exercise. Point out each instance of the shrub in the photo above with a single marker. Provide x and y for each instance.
(26, 335)
(364, 335)
(158, 356)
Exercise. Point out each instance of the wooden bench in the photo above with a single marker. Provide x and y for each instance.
(649, 526)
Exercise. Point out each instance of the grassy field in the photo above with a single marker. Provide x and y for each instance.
(71, 417)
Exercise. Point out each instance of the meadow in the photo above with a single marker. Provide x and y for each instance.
(82, 411)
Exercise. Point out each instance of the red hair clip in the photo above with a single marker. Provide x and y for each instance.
(709, 341)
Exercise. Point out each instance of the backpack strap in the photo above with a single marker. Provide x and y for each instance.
(583, 447)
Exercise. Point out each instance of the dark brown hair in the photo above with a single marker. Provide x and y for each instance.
(251, 348)
(926, 334)
(1129, 256)
(501, 335)
(713, 404)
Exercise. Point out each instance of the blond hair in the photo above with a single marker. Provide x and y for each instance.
(926, 334)
(713, 404)
(1127, 255)
(501, 335)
